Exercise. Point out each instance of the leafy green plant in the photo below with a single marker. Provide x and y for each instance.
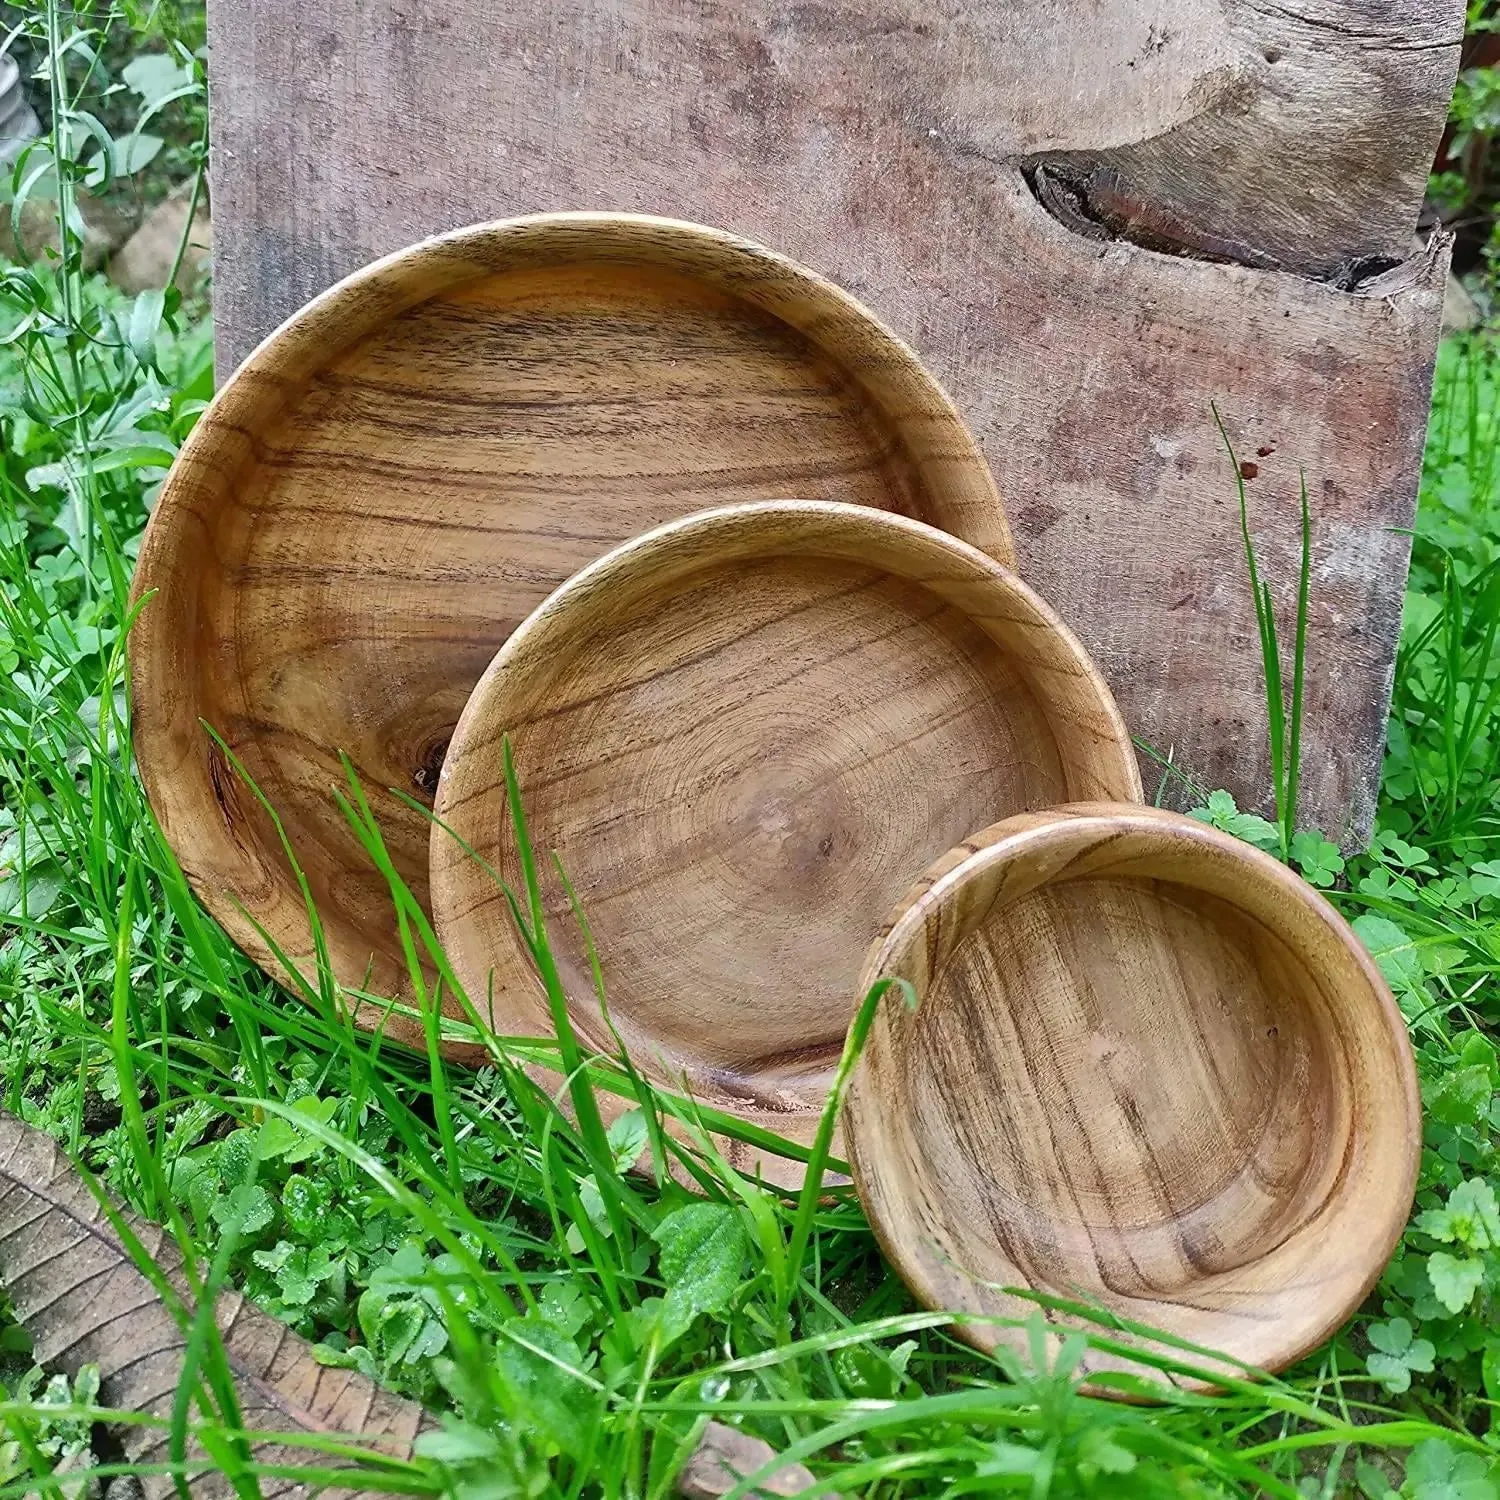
(52, 1436)
(1465, 190)
(1397, 1354)
(1435, 1471)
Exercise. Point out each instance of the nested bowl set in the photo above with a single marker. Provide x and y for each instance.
(706, 544)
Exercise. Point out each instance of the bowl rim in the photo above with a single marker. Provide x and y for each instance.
(1065, 832)
(624, 578)
(168, 738)
(557, 615)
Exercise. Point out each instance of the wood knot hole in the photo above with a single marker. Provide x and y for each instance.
(425, 776)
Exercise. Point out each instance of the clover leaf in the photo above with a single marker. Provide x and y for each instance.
(1317, 858)
(1397, 1354)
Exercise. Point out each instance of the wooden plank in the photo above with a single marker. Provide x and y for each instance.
(1090, 220)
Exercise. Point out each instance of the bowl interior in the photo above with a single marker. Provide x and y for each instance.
(1169, 1097)
(1125, 1088)
(741, 760)
(365, 516)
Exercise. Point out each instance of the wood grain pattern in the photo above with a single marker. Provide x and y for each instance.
(1149, 1068)
(1221, 178)
(743, 733)
(408, 467)
(84, 1301)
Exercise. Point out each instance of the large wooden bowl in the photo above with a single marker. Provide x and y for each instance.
(743, 734)
(402, 472)
(1149, 1068)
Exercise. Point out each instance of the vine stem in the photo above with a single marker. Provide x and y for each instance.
(194, 198)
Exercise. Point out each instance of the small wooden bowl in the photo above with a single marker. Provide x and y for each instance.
(411, 464)
(742, 733)
(1149, 1068)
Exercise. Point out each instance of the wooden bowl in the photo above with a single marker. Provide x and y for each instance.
(403, 471)
(1149, 1068)
(742, 733)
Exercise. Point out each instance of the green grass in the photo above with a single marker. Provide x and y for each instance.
(463, 1237)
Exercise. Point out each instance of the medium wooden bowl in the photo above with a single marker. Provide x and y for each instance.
(403, 471)
(742, 733)
(1149, 1068)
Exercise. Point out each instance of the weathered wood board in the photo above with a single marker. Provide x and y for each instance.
(1091, 220)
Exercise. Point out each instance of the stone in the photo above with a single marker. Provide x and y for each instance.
(1460, 310)
(144, 261)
